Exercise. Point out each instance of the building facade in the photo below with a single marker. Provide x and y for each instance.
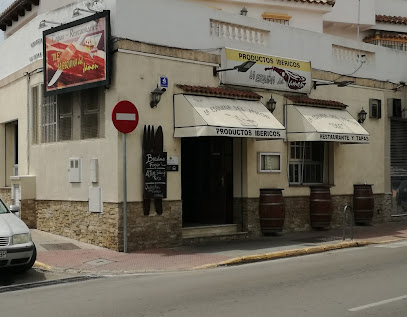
(221, 142)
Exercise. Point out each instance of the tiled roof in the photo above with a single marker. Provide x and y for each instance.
(391, 19)
(222, 92)
(386, 35)
(304, 100)
(14, 11)
(328, 2)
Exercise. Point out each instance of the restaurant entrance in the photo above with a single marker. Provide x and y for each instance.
(207, 181)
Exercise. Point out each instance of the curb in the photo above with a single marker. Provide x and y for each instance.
(286, 254)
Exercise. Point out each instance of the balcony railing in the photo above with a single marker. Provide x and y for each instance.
(241, 33)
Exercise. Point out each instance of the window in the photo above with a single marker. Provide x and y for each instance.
(375, 108)
(277, 18)
(269, 162)
(90, 113)
(306, 162)
(49, 119)
(35, 93)
(65, 117)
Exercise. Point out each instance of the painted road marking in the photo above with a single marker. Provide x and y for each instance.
(393, 245)
(379, 303)
(126, 116)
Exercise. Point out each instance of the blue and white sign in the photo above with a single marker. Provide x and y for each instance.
(164, 82)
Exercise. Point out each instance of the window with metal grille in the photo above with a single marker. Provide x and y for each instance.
(279, 21)
(90, 113)
(65, 117)
(306, 164)
(279, 18)
(49, 119)
(34, 106)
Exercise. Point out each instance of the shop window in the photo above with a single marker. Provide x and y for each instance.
(375, 108)
(269, 162)
(307, 163)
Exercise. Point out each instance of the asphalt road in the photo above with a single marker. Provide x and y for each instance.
(369, 281)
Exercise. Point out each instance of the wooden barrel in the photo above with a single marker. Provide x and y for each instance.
(271, 210)
(320, 206)
(363, 203)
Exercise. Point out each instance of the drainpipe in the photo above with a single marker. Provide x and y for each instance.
(28, 121)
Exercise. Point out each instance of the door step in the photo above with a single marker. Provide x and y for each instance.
(209, 231)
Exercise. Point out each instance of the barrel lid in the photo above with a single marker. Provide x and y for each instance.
(272, 188)
(363, 184)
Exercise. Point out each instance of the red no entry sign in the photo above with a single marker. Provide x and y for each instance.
(125, 116)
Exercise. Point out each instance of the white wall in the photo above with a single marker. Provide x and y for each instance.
(304, 16)
(347, 11)
(391, 7)
(185, 25)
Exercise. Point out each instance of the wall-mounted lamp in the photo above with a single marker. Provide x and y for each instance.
(240, 68)
(44, 23)
(156, 96)
(243, 11)
(271, 104)
(362, 116)
(77, 11)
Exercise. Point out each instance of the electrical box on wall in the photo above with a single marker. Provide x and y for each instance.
(75, 170)
(94, 170)
(95, 199)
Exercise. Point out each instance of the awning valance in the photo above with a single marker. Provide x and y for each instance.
(211, 116)
(305, 123)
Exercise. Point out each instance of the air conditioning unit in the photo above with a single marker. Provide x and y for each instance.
(394, 109)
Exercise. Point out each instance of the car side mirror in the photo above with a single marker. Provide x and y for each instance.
(14, 208)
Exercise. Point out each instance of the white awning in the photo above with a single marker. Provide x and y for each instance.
(211, 116)
(323, 124)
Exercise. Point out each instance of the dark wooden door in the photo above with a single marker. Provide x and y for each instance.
(207, 180)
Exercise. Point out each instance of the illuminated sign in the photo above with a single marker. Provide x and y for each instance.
(76, 55)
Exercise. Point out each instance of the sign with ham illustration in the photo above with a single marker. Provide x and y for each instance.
(76, 55)
(269, 72)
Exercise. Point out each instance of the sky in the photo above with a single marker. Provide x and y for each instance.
(3, 5)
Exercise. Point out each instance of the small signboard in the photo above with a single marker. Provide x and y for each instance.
(155, 177)
(172, 163)
(164, 82)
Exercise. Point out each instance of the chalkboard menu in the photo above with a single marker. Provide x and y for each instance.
(155, 175)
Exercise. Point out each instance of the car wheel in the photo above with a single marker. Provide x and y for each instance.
(29, 265)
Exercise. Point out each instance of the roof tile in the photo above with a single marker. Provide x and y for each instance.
(222, 92)
(328, 2)
(391, 19)
(304, 100)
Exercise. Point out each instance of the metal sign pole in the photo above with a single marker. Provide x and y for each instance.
(124, 195)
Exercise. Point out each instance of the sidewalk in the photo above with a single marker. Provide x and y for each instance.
(62, 254)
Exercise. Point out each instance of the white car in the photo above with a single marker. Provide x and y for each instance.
(17, 250)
